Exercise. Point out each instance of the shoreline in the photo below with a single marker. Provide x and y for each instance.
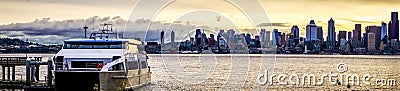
(290, 56)
(240, 55)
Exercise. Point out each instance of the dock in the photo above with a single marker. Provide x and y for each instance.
(31, 81)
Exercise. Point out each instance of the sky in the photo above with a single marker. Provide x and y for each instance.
(215, 14)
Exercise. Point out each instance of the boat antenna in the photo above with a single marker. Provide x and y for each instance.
(85, 27)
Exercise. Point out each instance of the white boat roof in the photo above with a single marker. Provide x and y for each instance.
(132, 41)
(90, 53)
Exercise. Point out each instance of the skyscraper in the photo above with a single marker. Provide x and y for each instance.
(198, 33)
(371, 42)
(383, 30)
(394, 26)
(172, 37)
(221, 32)
(267, 37)
(162, 37)
(262, 38)
(356, 35)
(331, 35)
(377, 31)
(311, 31)
(349, 36)
(320, 34)
(331, 30)
(296, 34)
(275, 38)
(341, 36)
(295, 31)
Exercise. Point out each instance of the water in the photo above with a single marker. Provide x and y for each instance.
(240, 71)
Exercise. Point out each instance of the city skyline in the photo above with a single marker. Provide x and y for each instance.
(366, 12)
(282, 15)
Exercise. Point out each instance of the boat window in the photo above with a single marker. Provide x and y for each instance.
(117, 46)
(94, 45)
(85, 64)
(85, 46)
(100, 46)
(70, 46)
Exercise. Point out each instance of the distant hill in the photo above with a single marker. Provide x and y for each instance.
(8, 45)
(15, 42)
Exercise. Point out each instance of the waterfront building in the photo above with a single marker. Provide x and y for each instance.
(383, 29)
(311, 31)
(162, 37)
(371, 42)
(349, 38)
(198, 33)
(262, 37)
(377, 31)
(342, 36)
(221, 32)
(172, 38)
(296, 34)
(331, 35)
(394, 26)
(295, 31)
(211, 40)
(320, 34)
(282, 38)
(275, 38)
(267, 38)
(356, 41)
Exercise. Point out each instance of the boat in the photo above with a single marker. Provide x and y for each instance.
(101, 62)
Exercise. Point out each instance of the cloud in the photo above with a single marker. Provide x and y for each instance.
(45, 30)
(273, 24)
(358, 21)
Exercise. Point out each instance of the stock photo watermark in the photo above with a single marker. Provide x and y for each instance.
(334, 78)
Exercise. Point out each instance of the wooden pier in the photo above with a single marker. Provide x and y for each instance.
(9, 63)
(32, 64)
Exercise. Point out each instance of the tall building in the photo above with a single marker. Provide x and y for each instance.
(377, 31)
(331, 35)
(349, 36)
(295, 31)
(221, 32)
(282, 38)
(383, 30)
(204, 40)
(275, 38)
(162, 37)
(262, 37)
(211, 40)
(357, 36)
(341, 36)
(331, 30)
(311, 31)
(320, 34)
(198, 33)
(394, 27)
(296, 34)
(172, 37)
(267, 37)
(364, 40)
(371, 42)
